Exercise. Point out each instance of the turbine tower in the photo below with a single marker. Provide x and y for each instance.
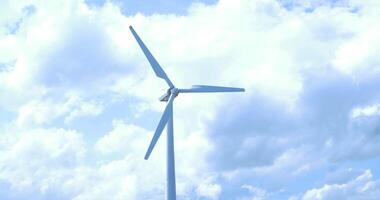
(167, 116)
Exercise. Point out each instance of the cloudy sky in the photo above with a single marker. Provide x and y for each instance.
(79, 101)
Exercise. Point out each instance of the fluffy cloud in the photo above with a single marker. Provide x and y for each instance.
(208, 190)
(39, 162)
(362, 187)
(40, 112)
(56, 164)
(122, 138)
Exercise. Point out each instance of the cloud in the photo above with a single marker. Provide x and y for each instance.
(255, 193)
(318, 108)
(209, 190)
(123, 138)
(56, 164)
(45, 111)
(366, 111)
(362, 187)
(69, 51)
(266, 139)
(40, 161)
(254, 143)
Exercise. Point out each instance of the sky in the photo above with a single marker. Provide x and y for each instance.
(79, 101)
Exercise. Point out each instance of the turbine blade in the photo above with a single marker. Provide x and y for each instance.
(153, 62)
(208, 88)
(161, 125)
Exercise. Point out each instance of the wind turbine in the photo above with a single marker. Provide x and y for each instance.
(167, 116)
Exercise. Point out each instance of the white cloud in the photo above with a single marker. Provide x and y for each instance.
(209, 190)
(362, 187)
(44, 111)
(111, 180)
(124, 138)
(40, 160)
(55, 164)
(255, 193)
(366, 111)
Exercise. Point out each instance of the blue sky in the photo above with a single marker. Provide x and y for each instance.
(79, 101)
(146, 7)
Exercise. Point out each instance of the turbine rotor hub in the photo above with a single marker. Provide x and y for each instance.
(174, 91)
(171, 91)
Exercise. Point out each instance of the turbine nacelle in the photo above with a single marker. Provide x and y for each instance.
(165, 97)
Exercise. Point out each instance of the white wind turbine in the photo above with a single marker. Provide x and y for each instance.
(167, 116)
